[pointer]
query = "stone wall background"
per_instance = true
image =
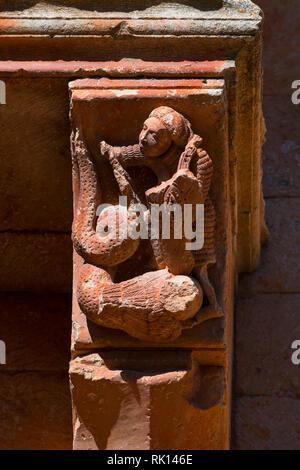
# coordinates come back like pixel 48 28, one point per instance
pixel 35 253
pixel 266 401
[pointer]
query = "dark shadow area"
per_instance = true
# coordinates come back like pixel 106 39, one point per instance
pixel 207 386
pixel 137 364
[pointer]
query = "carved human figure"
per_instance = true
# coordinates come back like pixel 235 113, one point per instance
pixel 158 304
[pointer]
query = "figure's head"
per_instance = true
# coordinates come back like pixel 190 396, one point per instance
pixel 163 127
pixel 154 138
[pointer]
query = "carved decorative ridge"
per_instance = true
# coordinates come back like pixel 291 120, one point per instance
pixel 224 9
pixel 234 17
pixel 130 28
pixel 124 67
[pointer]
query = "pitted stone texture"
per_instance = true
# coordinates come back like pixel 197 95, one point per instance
pixel 153 408
pixel 266 423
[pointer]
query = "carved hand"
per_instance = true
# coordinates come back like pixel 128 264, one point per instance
pixel 105 149
pixel 182 188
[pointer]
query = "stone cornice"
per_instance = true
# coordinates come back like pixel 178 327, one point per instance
pixel 240 17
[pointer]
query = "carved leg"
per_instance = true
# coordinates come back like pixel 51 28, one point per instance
pixel 213 310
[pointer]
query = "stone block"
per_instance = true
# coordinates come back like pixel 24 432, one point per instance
pixel 36 329
pixel 35 182
pixel 35 262
pixel 282 46
pixel 35 411
pixel 266 423
pixel 279 270
pixel 158 402
pixel 266 327
pixel 281 152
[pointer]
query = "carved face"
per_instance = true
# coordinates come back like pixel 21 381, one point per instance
pixel 154 139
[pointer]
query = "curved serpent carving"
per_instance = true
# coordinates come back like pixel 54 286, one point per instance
pixel 104 251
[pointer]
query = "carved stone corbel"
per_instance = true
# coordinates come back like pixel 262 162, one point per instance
pixel 153 312
pixel 168 296
pixel 146 292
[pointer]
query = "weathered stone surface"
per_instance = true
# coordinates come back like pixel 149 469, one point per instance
pixel 266 423
pixel 266 326
pixel 36 330
pixel 35 183
pixel 35 411
pixel 279 271
pixel 158 407
pixel 206 16
pixel 117 68
pixel 35 262
pixel 281 152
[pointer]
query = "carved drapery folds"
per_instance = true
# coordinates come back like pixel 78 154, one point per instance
pixel 173 292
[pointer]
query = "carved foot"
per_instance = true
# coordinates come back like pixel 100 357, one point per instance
pixel 206 313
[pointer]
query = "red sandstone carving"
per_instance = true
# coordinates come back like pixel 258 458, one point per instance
pixel 151 289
